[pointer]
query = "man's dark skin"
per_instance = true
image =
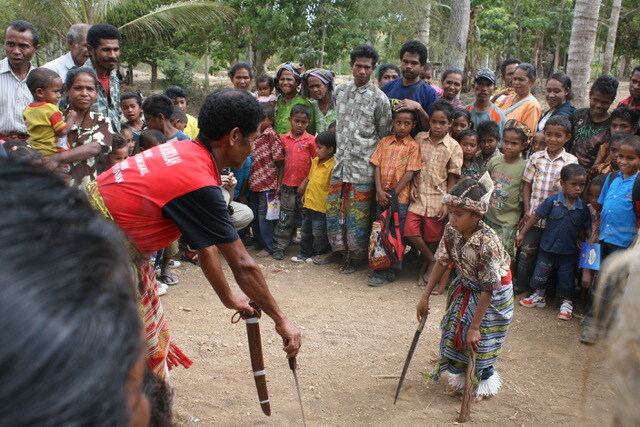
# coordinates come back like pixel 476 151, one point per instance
pixel 411 67
pixel 19 48
pixel 105 57
pixel 231 151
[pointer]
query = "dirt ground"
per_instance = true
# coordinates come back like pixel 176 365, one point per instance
pixel 355 340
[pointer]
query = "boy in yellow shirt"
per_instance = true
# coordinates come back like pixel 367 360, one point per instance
pixel 314 244
pixel 45 125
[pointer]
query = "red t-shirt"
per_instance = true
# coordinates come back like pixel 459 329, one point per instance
pixel 170 190
pixel 104 81
pixel 267 150
pixel 298 154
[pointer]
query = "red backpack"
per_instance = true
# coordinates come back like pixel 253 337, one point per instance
pixel 386 248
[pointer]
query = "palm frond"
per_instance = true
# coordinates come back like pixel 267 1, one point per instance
pixel 170 19
pixel 53 15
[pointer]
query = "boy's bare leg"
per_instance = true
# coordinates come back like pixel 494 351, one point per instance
pixel 427 254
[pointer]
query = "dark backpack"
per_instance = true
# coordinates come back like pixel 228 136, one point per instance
pixel 386 248
pixel 635 192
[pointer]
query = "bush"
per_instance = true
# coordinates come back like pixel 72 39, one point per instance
pixel 178 73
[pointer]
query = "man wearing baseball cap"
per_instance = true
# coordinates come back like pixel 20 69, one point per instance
pixel 483 109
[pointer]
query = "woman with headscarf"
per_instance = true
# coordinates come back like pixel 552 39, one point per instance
pixel 318 85
pixel 287 82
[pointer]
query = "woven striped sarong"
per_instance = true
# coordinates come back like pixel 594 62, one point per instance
pixel 162 354
pixel 462 304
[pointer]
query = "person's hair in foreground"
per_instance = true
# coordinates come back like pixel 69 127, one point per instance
pixel 225 109
pixel 71 332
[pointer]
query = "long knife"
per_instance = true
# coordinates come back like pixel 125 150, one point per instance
pixel 414 343
pixel 255 351
pixel 293 365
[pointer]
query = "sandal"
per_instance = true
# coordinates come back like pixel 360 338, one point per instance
pixel 348 268
pixel 169 279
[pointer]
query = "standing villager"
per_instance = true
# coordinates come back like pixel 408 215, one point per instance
pixel 287 82
pixel 318 86
pixel 363 118
pixel 21 41
pixel 78 52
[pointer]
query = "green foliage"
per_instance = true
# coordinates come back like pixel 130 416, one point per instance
pixel 177 71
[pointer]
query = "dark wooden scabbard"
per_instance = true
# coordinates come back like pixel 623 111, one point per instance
pixel 257 360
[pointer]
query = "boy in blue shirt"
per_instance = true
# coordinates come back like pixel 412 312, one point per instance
pixel 618 224
pixel 568 217
pixel 158 110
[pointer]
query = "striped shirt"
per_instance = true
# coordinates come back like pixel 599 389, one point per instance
pixel 543 173
pixel 14 98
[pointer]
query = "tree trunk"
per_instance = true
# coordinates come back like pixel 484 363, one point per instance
pixel 458 31
pixel 581 48
pixel 611 37
pixel 322 46
pixel 207 64
pixel 259 61
pixel 556 56
pixel 424 24
pixel 154 74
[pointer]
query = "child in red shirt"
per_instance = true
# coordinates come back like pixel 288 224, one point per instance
pixel 300 150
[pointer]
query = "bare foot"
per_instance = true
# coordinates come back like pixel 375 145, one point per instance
pixel 453 392
pixel 478 399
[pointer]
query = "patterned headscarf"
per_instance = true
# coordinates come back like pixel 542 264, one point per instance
pixel 514 124
pixel 325 76
pixel 479 206
pixel 296 68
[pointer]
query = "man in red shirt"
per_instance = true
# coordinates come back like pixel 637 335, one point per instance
pixel 174 189
pixel 633 101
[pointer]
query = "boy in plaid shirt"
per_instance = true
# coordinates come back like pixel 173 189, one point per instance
pixel 397 158
pixel 541 180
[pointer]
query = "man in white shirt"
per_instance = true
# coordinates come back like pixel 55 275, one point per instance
pixel 21 41
pixel 78 53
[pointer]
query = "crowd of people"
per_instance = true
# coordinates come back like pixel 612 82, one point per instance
pixel 494 198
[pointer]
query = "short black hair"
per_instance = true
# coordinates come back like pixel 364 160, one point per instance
pixel 470 188
pixel 178 114
pixel 158 104
pixel 415 47
pixel 489 128
pixel 566 82
pixel 327 139
pixel 300 109
pixel 636 69
pixel 20 151
pixel 76 336
pixel 118 141
pixel 560 121
pixel 445 106
pixel 506 63
pixel 598 181
pixel 225 109
pixel 452 71
pixel 365 50
pixel 632 141
pixel 75 72
pixel 102 32
pixel 572 170
pixel 268 109
pixel 629 115
pixel 263 78
pixel 618 137
pixel 239 66
pixel 149 138
pixel 21 26
pixel 384 67
pixel 174 92
pixel 160 397
pixel 607 85
pixel 133 96
pixel 394 113
pixel 461 112
pixel 40 78
pixel 468 132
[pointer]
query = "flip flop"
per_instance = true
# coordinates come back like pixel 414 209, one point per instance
pixel 169 279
